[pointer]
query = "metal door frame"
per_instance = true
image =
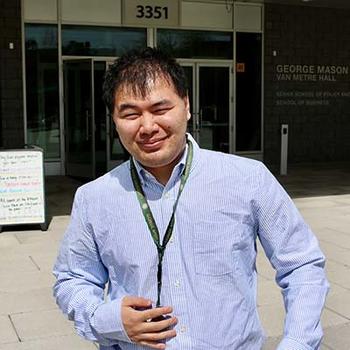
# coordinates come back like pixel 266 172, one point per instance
pixel 194 116
pixel 257 154
pixel 92 124
pixel 196 64
pixel 110 163
pixel 109 125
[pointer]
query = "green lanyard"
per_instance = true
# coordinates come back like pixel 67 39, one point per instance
pixel 152 226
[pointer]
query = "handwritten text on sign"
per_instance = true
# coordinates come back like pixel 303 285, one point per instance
pixel 21 187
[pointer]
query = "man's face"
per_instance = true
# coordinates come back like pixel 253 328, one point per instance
pixel 153 128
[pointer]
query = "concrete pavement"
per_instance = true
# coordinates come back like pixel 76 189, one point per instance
pixel 30 319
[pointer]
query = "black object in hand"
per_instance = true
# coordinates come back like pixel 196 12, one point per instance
pixel 159 318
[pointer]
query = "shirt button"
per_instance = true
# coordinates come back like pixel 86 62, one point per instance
pixel 177 283
pixel 183 329
pixel 167 195
pixel 171 240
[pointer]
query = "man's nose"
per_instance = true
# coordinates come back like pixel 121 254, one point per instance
pixel 148 124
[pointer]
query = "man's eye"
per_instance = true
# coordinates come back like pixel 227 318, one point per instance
pixel 161 111
pixel 130 116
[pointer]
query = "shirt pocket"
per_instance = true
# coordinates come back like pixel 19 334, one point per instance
pixel 216 247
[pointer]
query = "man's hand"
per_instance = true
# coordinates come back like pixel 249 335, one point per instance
pixel 138 326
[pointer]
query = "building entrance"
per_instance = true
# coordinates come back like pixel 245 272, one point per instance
pixel 92 146
pixel 220 47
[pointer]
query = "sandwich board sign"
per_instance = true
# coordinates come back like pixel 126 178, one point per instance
pixel 22 190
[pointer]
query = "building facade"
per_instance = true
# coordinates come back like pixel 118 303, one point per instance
pixel 251 68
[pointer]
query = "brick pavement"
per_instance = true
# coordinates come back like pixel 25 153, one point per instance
pixel 30 319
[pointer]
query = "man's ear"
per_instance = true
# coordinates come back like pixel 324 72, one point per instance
pixel 187 106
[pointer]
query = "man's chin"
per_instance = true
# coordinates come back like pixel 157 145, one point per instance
pixel 152 164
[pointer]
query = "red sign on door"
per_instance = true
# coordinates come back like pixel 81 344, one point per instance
pixel 240 67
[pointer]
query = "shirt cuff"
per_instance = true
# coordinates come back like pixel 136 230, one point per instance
pixel 291 344
pixel 107 321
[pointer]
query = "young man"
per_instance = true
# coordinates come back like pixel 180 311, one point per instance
pixel 173 233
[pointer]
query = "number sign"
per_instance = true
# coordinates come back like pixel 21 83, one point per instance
pixel 151 12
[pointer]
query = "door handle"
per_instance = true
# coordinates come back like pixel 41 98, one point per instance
pixel 214 111
pixel 87 125
pixel 197 122
pixel 200 116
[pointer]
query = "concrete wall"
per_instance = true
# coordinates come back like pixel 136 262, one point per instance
pixel 11 100
pixel 314 43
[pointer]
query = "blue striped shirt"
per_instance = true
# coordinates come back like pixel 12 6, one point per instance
pixel 209 271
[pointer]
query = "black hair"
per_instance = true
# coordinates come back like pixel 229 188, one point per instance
pixel 136 68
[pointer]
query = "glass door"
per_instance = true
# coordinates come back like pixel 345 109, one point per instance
pixel 189 69
pixel 214 107
pixel 210 91
pixel 116 153
pixel 79 117
pixel 248 92
pixel 100 117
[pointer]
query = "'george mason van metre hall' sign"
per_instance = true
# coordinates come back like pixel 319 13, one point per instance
pixel 298 72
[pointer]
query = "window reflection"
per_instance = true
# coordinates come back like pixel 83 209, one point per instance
pixel 101 41
pixel 214 108
pixel 41 55
pixel 248 92
pixel 196 44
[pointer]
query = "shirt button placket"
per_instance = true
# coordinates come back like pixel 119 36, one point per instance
pixel 175 274
pixel 183 329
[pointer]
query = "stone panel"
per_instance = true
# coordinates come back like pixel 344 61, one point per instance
pixel 11 95
pixel 314 102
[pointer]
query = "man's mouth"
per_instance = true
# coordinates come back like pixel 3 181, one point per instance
pixel 151 145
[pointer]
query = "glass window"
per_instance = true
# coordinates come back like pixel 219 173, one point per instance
pixel 196 44
pixel 248 92
pixel 41 58
pixel 214 108
pixel 101 41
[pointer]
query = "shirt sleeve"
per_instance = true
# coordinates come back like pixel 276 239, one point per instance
pixel 81 280
pixel 294 253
